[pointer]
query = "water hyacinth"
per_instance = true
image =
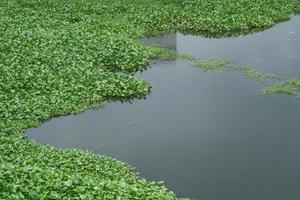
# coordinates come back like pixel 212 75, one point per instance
pixel 60 56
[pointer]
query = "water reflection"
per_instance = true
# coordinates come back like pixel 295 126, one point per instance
pixel 168 41
pixel 207 136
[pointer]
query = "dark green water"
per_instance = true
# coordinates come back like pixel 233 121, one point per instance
pixel 208 136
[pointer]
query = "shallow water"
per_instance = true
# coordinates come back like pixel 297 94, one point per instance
pixel 208 136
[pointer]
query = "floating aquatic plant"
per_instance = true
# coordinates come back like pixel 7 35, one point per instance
pixel 59 57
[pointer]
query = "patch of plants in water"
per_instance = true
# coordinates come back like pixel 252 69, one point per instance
pixel 59 57
pixel 272 83
pixel 289 86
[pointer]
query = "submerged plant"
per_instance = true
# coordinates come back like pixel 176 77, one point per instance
pixel 213 64
pixel 252 74
pixel 217 65
pixel 288 86
pixel 291 87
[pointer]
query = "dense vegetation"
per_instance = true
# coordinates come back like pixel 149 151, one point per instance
pixel 63 56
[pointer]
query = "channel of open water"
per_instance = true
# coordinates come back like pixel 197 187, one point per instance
pixel 208 136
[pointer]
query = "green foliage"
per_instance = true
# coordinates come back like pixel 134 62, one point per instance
pixel 296 7
pixel 291 87
pixel 63 56
pixel 213 64
pixel 252 74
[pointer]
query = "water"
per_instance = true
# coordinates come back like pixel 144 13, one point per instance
pixel 206 135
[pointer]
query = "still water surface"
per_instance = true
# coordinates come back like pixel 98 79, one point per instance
pixel 208 136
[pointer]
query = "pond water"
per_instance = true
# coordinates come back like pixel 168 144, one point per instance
pixel 208 136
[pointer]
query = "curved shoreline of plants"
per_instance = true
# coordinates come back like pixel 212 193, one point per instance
pixel 60 57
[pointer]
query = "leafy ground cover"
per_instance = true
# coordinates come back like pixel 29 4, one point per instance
pixel 63 56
